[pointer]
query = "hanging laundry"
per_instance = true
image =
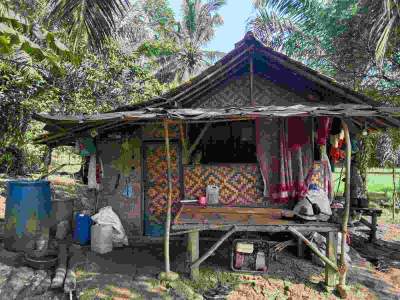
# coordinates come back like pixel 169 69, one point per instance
pixel 324 124
pixel 87 147
pixel 99 171
pixel 297 135
pixel 336 127
pixel 127 191
pixel 92 183
pixel 354 145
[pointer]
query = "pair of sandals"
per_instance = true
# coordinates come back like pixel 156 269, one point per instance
pixel 221 291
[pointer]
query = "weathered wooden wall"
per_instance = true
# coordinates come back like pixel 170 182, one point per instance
pixel 236 92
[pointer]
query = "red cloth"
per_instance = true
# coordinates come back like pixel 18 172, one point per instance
pixel 297 135
pixel 239 260
pixel 324 124
pixel 336 154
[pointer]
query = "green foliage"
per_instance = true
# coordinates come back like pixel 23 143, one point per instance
pixel 157 48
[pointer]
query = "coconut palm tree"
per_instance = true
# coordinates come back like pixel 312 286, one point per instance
pixel 92 21
pixel 386 26
pixel 282 16
pixel 190 35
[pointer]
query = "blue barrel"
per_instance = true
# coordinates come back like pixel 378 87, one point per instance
pixel 83 223
pixel 28 210
pixel 153 228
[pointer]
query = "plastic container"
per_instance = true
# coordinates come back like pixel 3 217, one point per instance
pixel 83 223
pixel 28 211
pixel 101 238
pixel 212 194
pixel 259 254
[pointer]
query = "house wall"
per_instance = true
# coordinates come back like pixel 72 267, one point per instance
pixel 129 209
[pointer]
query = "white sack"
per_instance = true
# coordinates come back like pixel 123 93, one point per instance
pixel 106 216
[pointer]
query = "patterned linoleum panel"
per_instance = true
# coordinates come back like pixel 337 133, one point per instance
pixel 240 184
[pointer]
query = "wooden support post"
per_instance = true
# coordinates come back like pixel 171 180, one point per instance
pixel 193 253
pixel 331 253
pixel 343 266
pixel 197 263
pixel 169 200
pixel 300 248
pixel 374 221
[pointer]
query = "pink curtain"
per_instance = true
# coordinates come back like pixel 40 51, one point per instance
pixel 284 169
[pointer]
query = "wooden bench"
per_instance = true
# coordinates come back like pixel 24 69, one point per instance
pixel 374 213
pixel 192 219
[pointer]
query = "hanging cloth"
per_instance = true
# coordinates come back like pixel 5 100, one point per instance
pixel 92 182
pixel 297 135
pixel 324 124
pixel 336 126
pixel 87 147
pixel 283 171
pixel 99 171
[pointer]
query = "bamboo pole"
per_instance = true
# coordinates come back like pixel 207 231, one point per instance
pixel 169 200
pixel 343 266
pixel 313 248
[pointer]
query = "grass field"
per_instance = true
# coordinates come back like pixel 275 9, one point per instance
pixel 380 186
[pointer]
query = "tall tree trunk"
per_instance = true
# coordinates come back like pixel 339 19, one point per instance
pixel 343 267
pixel 394 192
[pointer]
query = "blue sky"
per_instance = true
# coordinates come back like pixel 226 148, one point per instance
pixel 235 14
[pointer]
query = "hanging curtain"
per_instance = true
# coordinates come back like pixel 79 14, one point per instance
pixel 284 162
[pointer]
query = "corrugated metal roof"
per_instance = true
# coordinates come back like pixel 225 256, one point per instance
pixel 78 124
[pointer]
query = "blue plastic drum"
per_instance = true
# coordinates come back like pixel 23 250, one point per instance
pixel 28 210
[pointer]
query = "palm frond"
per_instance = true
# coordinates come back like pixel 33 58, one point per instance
pixel 95 19
pixel 293 9
pixel 387 20
pixel 212 57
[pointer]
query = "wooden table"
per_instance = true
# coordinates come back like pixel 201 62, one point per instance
pixel 191 219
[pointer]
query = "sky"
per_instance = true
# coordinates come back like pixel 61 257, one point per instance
pixel 235 14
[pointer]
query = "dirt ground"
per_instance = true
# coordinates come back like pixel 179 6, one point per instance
pixel 132 272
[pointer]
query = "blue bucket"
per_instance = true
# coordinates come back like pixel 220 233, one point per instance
pixel 28 211
pixel 152 228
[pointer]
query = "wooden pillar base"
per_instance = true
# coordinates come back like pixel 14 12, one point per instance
pixel 300 248
pixel 374 223
pixel 193 253
pixel 331 253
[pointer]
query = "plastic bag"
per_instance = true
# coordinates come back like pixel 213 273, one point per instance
pixel 106 216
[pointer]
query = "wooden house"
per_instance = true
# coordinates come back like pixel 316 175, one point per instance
pixel 253 98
